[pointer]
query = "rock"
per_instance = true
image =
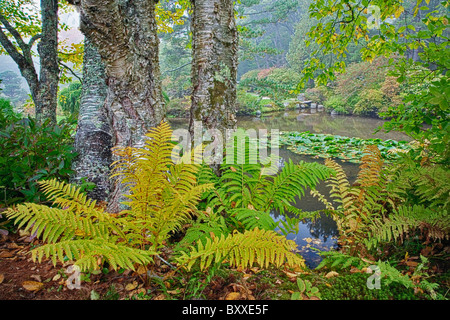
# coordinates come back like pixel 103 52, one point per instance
pixel 320 106
pixel 313 105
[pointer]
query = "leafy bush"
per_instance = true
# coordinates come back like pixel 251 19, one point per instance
pixel 30 152
pixel 369 103
pixel 317 94
pixel 69 99
pixel 338 104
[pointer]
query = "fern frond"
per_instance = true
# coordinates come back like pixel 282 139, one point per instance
pixel 53 224
pixel 86 254
pixel 263 247
pixel 252 219
pixel 67 196
pixel 434 224
pixel 291 183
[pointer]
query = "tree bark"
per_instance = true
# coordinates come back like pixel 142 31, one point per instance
pixel 93 138
pixel 125 34
pixel 49 69
pixel 214 65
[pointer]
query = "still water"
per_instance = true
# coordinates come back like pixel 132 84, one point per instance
pixel 322 232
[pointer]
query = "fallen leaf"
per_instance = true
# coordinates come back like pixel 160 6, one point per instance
pixel 141 270
pixel 131 286
pixel 2 277
pixel 6 254
pixel 411 263
pixel 233 296
pixel 354 270
pixel 331 274
pixel 160 297
pixel 32 285
pixel 36 277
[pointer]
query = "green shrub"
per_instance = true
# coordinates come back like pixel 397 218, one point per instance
pixel 338 104
pixel 69 99
pixel 30 152
pixel 370 102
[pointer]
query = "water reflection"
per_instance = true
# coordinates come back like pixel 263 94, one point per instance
pixel 322 232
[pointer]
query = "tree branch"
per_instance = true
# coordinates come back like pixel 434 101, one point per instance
pixel 34 39
pixel 14 33
pixel 180 67
pixel 71 71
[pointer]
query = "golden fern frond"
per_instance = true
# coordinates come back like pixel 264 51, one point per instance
pixel 340 187
pixel 88 253
pixel 55 224
pixel 263 247
pixel 67 196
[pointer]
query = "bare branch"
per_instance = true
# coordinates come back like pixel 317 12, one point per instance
pixel 71 71
pixel 34 39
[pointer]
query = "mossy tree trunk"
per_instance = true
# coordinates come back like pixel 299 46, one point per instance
pixel 93 141
pixel 43 87
pixel 125 34
pixel 214 64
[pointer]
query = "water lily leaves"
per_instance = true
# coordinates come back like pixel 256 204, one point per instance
pixel 345 148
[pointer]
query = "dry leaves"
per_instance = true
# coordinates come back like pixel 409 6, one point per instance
pixel 32 285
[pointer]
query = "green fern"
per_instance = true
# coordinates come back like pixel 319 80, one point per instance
pixel 263 247
pixel 433 224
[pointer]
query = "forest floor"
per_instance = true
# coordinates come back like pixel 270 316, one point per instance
pixel 23 279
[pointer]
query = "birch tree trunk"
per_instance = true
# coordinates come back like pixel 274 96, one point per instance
pixel 125 34
pixel 214 65
pixel 93 138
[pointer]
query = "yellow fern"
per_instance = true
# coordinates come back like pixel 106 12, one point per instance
pixel 263 247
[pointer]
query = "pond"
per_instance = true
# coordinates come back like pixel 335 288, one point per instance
pixel 321 233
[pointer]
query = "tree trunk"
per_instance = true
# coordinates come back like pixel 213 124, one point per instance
pixel 214 65
pixel 49 69
pixel 43 88
pixel 93 138
pixel 125 34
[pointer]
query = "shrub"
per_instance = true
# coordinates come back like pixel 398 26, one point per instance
pixel 338 104
pixel 69 99
pixel 30 152
pixel 370 102
pixel 317 94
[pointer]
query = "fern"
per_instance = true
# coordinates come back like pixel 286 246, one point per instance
pixel 163 189
pixel 434 224
pixel 163 194
pixel 263 247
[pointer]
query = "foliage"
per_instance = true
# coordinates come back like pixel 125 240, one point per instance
pixel 317 94
pixel 243 249
pixel 345 148
pixel 276 83
pixel 369 102
pixel 246 192
pixel 75 227
pixel 69 99
pixel 338 104
pixel 162 196
pixel 419 59
pixel 305 287
pixel 31 152
pixel 163 190
pixel 372 211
